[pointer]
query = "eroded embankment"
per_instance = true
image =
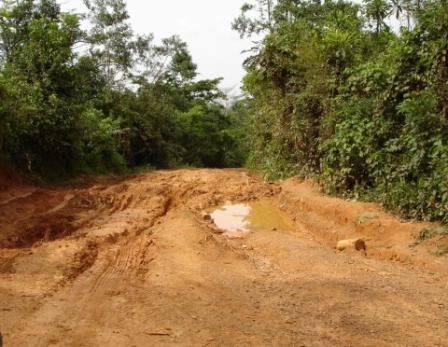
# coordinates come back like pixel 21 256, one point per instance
pixel 134 261
pixel 388 238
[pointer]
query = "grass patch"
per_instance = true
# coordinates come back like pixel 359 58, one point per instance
pixel 441 251
pixel 430 232
pixel 364 217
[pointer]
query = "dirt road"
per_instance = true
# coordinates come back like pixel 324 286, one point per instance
pixel 132 262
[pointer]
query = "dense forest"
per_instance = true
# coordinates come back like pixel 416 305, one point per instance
pixel 102 99
pixel 354 94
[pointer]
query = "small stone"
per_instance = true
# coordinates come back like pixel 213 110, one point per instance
pixel 357 244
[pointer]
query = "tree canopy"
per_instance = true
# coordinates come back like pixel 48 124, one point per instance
pixel 342 92
pixel 103 99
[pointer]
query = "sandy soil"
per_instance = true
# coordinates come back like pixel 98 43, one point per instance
pixel 132 262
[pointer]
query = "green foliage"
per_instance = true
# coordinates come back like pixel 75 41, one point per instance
pixel 335 94
pixel 236 147
pixel 441 251
pixel 119 102
pixel 378 11
pixel 37 78
pixel 99 143
pixel 430 232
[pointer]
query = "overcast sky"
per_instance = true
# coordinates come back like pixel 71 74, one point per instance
pixel 204 24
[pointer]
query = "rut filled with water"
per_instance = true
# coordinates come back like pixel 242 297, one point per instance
pixel 252 216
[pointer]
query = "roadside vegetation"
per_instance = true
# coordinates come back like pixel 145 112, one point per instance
pixel 102 99
pixel 355 94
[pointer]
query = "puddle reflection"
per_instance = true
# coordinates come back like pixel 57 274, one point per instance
pixel 253 216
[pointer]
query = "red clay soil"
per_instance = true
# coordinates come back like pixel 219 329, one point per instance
pixel 132 262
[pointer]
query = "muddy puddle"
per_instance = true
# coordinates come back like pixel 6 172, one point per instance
pixel 253 216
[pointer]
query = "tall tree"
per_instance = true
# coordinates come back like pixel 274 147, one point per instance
pixel 112 42
pixel 37 46
pixel 255 18
pixel 377 11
